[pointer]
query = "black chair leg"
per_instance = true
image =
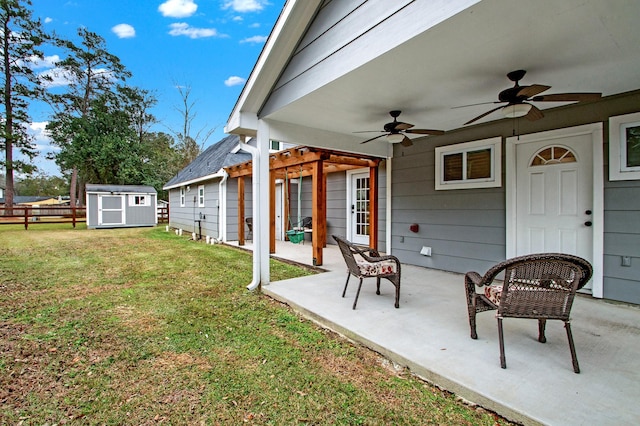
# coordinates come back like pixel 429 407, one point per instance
pixel 378 285
pixel 541 326
pixel 503 360
pixel 397 305
pixel 346 284
pixel 572 348
pixel 472 321
pixel 357 293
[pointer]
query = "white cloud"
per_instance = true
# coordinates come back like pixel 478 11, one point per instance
pixel 256 25
pixel 46 62
pixel 254 39
pixel 58 77
pixel 47 20
pixel 234 80
pixel 178 8
pixel 124 31
pixel 41 136
pixel 243 6
pixel 55 77
pixel 183 29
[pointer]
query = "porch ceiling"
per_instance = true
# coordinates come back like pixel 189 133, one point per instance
pixel 573 46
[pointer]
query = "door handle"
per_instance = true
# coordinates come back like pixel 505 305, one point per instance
pixel 587 212
pixel 588 223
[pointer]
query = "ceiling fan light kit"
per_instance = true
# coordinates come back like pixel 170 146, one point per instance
pixel 395 137
pixel 516 110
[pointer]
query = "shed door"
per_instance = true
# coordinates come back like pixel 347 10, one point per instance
pixel 111 209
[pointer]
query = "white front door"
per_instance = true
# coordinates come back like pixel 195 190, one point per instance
pixel 111 209
pixel 554 195
pixel 358 207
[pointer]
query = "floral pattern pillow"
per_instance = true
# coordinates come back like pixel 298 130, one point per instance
pixel 385 267
pixel 493 292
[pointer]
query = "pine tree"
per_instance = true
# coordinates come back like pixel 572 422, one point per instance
pixel 21 37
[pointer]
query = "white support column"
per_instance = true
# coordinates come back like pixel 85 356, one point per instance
pixel 263 139
pixel 388 235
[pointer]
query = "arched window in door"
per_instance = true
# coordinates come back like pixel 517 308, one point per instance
pixel 553 155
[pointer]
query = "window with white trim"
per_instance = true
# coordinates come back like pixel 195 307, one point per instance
pixel 476 164
pixel 624 147
pixel 139 200
pixel 182 196
pixel 200 195
pixel 275 145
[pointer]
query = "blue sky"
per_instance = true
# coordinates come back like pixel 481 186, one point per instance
pixel 209 45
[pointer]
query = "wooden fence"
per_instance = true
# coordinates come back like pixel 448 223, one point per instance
pixel 163 214
pixel 28 215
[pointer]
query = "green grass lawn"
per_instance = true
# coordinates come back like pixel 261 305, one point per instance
pixel 140 326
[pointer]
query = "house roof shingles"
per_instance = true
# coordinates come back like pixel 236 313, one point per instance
pixel 210 161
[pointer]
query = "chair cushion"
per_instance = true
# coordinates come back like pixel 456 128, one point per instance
pixel 384 267
pixel 493 292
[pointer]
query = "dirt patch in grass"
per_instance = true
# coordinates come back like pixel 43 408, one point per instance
pixel 136 320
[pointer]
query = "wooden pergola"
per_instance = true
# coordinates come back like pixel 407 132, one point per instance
pixel 318 163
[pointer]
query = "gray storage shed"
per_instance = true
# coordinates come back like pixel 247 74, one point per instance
pixel 118 206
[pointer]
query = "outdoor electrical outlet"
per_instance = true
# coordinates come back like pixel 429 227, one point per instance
pixel 626 260
pixel 402 239
pixel 426 251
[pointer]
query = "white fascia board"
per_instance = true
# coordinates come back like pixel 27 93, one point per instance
pixel 283 39
pixel 218 174
pixel 242 123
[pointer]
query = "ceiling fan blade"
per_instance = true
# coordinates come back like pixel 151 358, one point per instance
pixel 402 126
pixel 406 142
pixel 481 103
pixel 373 138
pixel 532 90
pixel 568 97
pixel 371 131
pixel 482 115
pixel 425 131
pixel 534 114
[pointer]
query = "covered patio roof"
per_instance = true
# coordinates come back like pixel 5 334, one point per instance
pixel 305 161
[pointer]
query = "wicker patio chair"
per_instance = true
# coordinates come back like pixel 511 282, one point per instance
pixel 364 262
pixel 537 286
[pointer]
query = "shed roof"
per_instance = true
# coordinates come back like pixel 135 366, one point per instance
pixel 211 161
pixel 128 189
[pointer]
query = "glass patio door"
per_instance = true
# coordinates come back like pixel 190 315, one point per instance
pixel 359 208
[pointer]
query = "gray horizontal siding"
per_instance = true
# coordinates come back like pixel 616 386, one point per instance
pixel 185 217
pixel 141 215
pixel 466 229
pixel 623 290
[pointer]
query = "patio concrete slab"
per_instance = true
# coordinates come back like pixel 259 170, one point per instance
pixel 429 334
